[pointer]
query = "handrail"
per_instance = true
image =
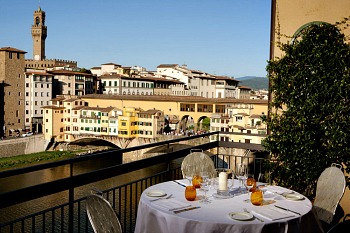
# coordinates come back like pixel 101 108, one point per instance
pixel 71 217
pixel 16 196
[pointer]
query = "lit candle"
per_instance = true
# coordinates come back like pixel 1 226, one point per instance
pixel 222 181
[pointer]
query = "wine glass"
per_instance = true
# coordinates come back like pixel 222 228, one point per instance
pixel 189 171
pixel 204 186
pixel 241 173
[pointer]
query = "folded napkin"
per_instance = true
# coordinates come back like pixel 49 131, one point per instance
pixel 273 213
pixel 170 204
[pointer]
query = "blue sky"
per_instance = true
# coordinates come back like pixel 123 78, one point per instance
pixel 222 37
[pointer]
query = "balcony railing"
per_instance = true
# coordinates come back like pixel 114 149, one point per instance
pixel 72 217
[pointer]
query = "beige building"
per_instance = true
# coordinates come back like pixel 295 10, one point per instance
pixel 113 69
pixel 150 123
pixel 244 92
pixel 12 77
pixel 70 117
pixel 289 17
pixel 68 82
pixel 181 108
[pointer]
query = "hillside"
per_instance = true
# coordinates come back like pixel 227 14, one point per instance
pixel 256 83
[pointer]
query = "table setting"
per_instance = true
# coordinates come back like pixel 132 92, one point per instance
pixel 224 204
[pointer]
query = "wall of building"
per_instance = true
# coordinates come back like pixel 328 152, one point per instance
pixel 292 15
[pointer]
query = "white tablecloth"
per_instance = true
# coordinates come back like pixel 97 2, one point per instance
pixel 214 217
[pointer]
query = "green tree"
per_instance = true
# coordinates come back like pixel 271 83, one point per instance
pixel 310 117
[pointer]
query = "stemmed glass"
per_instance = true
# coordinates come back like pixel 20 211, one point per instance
pixel 204 186
pixel 241 173
pixel 189 171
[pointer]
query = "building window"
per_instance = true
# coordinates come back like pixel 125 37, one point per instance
pixel 187 107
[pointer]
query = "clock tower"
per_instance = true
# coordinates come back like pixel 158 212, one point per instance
pixel 39 33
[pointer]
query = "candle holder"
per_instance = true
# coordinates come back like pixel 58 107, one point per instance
pixel 223 176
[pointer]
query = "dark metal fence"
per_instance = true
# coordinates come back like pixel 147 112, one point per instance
pixel 72 217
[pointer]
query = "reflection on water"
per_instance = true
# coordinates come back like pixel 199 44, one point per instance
pixel 33 206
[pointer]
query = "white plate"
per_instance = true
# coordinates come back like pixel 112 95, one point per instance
pixel 223 196
pixel 293 197
pixel 241 216
pixel 156 193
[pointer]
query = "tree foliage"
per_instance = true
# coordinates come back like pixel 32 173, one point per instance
pixel 310 121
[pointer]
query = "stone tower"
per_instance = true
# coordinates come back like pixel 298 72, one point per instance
pixel 12 94
pixel 39 33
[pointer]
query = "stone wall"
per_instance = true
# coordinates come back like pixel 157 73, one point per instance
pixel 21 146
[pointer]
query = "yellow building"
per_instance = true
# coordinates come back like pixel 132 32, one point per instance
pixel 127 123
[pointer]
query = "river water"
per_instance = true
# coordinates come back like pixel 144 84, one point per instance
pixel 33 206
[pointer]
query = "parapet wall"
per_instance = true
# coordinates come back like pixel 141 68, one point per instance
pixel 21 146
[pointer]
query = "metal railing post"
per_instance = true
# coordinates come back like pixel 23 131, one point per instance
pixel 71 203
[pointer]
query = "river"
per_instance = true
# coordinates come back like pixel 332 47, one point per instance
pixel 33 206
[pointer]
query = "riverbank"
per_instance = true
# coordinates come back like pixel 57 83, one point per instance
pixel 33 159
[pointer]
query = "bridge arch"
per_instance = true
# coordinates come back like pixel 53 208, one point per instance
pixel 203 123
pixel 91 142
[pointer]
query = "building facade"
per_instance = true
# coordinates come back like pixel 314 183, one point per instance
pixel 67 82
pixel 38 93
pixel 12 113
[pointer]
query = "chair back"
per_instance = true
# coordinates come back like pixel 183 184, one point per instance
pixel 199 161
pixel 101 215
pixel 329 191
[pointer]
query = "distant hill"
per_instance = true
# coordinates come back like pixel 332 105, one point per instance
pixel 256 83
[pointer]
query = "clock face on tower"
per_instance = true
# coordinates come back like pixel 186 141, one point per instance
pixel 37 57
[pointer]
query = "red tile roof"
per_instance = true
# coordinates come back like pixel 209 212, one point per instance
pixel 10 49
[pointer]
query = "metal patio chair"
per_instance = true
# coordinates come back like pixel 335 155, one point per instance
pixel 329 191
pixel 199 161
pixel 101 215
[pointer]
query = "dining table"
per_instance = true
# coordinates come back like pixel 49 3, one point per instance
pixel 163 208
